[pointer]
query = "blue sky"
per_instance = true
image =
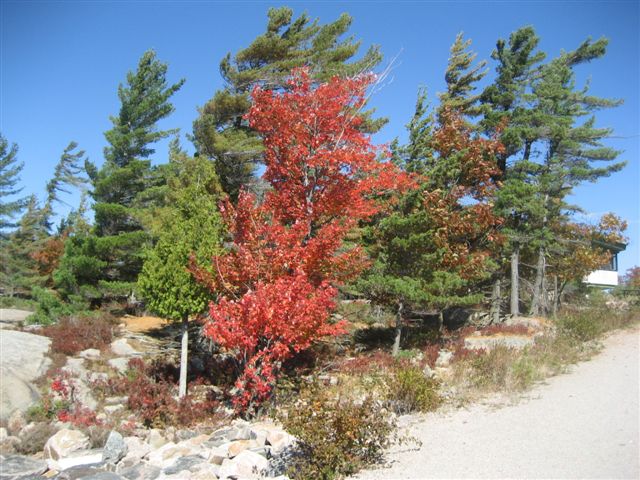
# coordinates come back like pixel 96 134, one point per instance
pixel 61 63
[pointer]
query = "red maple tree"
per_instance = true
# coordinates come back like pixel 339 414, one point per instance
pixel 276 285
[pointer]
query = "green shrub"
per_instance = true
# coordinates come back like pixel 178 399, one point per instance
pixel 17 302
pixel 491 370
pixel 336 437
pixel 524 372
pixel 49 308
pixel 582 325
pixel 411 391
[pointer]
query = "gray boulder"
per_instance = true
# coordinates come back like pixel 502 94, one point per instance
pixel 18 466
pixel 115 449
pixel 141 471
pixel 22 360
pixel 12 317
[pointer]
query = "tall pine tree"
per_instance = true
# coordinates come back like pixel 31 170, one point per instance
pixel 105 264
pixel 573 150
pixel 10 169
pixel 220 131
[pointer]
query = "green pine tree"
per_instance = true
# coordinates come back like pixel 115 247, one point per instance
pixel 431 251
pixel 10 169
pixel 220 132
pixel 191 227
pixel 105 264
pixel 572 148
pixel 504 100
pixel 461 78
pixel 68 172
pixel 19 268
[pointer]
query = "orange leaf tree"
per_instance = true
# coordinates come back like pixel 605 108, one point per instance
pixel 276 285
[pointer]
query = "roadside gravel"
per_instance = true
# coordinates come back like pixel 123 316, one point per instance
pixel 584 424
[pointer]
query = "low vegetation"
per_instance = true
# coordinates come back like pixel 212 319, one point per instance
pixel 506 370
pixel 72 335
pixel 337 436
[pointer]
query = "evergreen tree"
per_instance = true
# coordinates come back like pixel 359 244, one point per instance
pixel 573 148
pixel 67 173
pixel 223 135
pixel 19 267
pixel 106 263
pixel 509 115
pixel 504 101
pixel 191 228
pixel 435 248
pixel 461 78
pixel 10 170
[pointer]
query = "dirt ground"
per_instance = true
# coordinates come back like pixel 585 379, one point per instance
pixel 143 324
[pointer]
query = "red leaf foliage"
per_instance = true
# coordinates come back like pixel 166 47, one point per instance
pixel 276 285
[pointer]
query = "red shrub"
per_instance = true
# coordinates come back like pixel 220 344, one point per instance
pixel 72 335
pixel 152 396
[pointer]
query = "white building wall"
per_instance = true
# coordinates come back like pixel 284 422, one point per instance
pixel 602 277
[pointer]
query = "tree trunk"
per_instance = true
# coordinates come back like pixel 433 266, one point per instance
pixel 184 350
pixel 538 287
pixel 515 281
pixel 396 341
pixel 441 321
pixel 496 296
pixel 556 297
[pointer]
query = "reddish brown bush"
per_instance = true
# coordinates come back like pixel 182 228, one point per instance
pixel 151 392
pixel 366 363
pixel 72 335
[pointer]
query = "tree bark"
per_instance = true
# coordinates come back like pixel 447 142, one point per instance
pixel 515 281
pixel 441 321
pixel 556 296
pixel 398 337
pixel 184 350
pixel 496 296
pixel 537 305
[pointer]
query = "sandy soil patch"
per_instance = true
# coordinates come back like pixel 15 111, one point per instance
pixel 143 324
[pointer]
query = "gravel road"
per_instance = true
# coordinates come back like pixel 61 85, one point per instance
pixel 584 424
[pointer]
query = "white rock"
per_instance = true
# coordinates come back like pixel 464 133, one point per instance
pixel 23 359
pixel 65 442
pixel 246 465
pixel 166 455
pixel 444 358
pixel 207 471
pixel 428 372
pixel 195 442
pixel 279 440
pixel 122 348
pixel 111 409
pixel 137 449
pixel 235 448
pixel 80 457
pixel 120 364
pixel 217 455
pixel 90 354
pixel 3 433
pixel 156 439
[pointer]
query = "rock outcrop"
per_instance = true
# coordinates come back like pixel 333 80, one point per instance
pixel 22 360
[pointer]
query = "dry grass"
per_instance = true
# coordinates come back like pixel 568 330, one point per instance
pixel 510 371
